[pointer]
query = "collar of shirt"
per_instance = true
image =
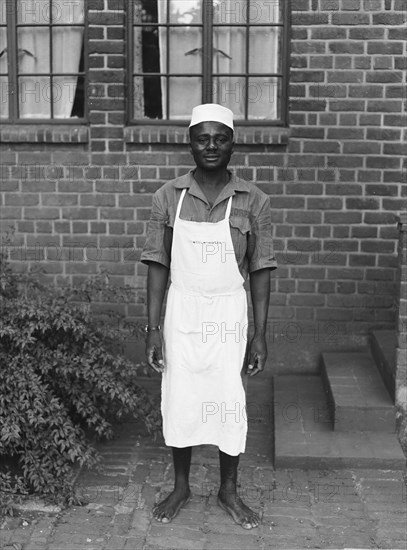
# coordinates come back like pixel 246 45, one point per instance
pixel 233 185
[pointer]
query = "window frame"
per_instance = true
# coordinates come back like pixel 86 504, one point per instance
pixel 12 65
pixel 207 40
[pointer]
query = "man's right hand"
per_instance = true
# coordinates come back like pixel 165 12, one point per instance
pixel 154 352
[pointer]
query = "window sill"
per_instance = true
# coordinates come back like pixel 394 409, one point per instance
pixel 43 133
pixel 244 135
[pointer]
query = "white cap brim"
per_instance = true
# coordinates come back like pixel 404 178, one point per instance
pixel 212 112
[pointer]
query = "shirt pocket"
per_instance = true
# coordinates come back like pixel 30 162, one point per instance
pixel 239 230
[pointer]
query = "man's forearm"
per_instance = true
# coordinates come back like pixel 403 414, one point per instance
pixel 156 286
pixel 260 294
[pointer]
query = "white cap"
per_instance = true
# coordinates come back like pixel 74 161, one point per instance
pixel 212 112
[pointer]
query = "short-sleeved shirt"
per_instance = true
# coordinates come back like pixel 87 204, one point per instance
pixel 250 220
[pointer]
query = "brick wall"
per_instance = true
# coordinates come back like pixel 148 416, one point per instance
pixel 401 319
pixel 80 197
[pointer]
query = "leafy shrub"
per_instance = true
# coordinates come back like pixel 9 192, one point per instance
pixel 62 383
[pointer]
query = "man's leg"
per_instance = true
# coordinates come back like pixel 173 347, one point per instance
pixel 167 509
pixel 227 496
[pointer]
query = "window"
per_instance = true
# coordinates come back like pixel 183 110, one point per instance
pixel 185 52
pixel 42 73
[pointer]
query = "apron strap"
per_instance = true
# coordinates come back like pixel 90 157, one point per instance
pixel 228 208
pixel 180 203
pixel 181 199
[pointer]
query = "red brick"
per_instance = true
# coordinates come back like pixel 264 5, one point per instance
pixel 383 162
pixel 395 204
pixel 345 133
pixel 383 76
pixel 347 105
pixel 350 19
pixel 341 161
pixel 327 203
pixel 364 90
pixel 341 232
pixel 363 232
pixel 377 246
pixel 384 106
pixel 308 105
pixel 395 149
pixel 346 47
pixel 362 148
pixel 338 273
pixel 309 19
pixel 79 213
pixel 369 176
pixel 379 218
pixel 103 17
pixel 386 19
pixel 366 33
pixel 115 33
pixel 25 199
pixel 304 217
pixel 385 48
pixel 343 62
pixel 384 190
pixel 342 217
pixel 362 62
pixel 321 147
pixel 59 199
pixel 306 188
pixel 306 300
pixel 106 76
pixel 396 91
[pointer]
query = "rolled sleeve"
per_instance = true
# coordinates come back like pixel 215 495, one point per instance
pixel 260 250
pixel 156 247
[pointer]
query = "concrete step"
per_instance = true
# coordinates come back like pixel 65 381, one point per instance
pixel 304 437
pixel 357 397
pixel 383 345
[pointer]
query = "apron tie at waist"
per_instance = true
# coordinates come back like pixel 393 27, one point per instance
pixel 207 296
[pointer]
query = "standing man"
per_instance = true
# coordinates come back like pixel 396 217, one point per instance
pixel 208 230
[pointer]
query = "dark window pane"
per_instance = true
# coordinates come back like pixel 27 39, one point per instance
pixel 145 11
pixel 147 97
pixel 78 107
pixel 147 44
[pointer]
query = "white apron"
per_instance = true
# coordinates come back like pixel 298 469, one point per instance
pixel 205 337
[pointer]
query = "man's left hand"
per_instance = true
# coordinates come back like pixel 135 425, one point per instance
pixel 257 355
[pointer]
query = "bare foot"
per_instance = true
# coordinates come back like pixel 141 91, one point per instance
pixel 167 509
pixel 234 506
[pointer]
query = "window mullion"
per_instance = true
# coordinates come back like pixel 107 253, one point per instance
pixel 12 61
pixel 285 62
pixel 167 67
pixel 246 78
pixel 207 51
pixel 51 61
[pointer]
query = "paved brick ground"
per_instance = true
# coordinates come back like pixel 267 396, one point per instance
pixel 299 508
